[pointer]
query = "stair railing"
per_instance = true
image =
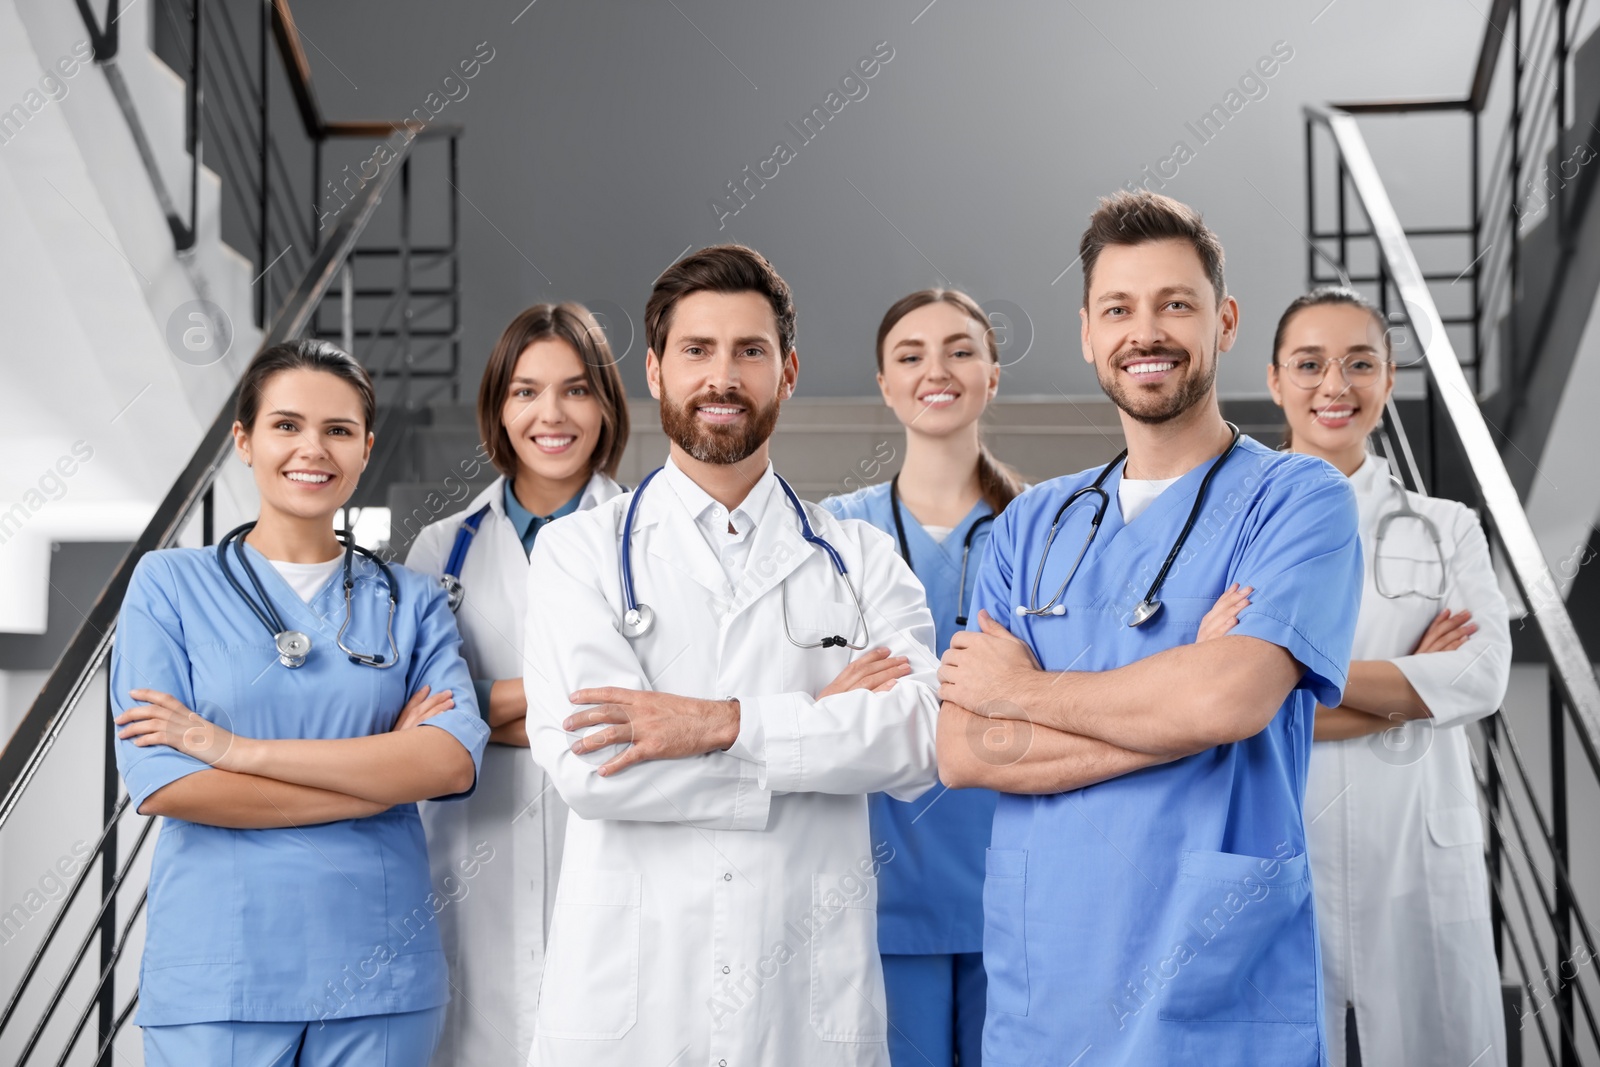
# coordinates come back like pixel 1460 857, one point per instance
pixel 1536 911
pixel 65 967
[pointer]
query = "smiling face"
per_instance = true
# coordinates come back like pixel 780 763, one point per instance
pixel 938 373
pixel 550 412
pixel 309 443
pixel 1153 328
pixel 721 378
pixel 1333 417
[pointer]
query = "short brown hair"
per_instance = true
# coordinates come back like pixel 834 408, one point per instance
pixel 997 481
pixel 1137 217
pixel 574 324
pixel 718 269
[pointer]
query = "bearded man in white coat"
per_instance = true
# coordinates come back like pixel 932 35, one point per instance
pixel 717 901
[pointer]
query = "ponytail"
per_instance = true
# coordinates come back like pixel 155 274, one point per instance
pixel 998 482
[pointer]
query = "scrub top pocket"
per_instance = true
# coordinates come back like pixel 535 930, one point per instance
pixel 1241 931
pixel 1005 936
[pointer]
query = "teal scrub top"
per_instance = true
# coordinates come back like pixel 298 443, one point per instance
pixel 316 922
pixel 1165 916
pixel 930 898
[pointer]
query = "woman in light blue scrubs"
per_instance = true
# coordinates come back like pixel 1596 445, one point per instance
pixel 290 918
pixel 938 368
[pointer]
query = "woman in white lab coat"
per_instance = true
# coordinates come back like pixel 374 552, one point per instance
pixel 553 416
pixel 1394 831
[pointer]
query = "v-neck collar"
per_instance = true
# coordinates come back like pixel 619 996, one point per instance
pixel 922 544
pixel 285 599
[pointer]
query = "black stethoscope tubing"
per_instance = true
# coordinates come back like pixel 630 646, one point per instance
pixel 966 545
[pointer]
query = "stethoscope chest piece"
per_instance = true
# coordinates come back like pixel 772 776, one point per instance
pixel 1143 612
pixel 454 591
pixel 293 647
pixel 637 620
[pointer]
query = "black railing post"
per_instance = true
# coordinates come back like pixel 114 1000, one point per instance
pixel 1496 856
pixel 1477 267
pixel 455 270
pixel 1311 204
pixel 111 786
pixel 1561 919
pixel 1559 117
pixel 406 308
pixel 1344 228
pixel 1514 161
pixel 263 247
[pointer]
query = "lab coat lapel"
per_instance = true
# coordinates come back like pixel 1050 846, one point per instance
pixel 777 550
pixel 671 536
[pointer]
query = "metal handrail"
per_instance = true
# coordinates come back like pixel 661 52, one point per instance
pixel 1531 574
pixel 39 729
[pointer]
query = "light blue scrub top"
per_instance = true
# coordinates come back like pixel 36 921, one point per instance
pixel 1166 916
pixel 930 896
pixel 328 921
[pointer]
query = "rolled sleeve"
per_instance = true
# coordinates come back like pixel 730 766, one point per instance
pixel 149 652
pixel 473 733
pixel 1303 562
pixel 1470 682
pixel 436 662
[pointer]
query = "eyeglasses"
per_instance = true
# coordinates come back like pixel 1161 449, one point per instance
pixel 1308 371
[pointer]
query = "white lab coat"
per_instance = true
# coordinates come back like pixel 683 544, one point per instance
pixel 495 855
pixel 721 909
pixel 1394 831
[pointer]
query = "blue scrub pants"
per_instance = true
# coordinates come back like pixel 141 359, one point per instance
pixel 405 1039
pixel 936 1008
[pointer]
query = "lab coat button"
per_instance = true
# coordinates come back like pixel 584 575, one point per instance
pixel 727 876
pixel 724 968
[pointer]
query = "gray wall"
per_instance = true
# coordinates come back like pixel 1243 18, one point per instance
pixel 599 132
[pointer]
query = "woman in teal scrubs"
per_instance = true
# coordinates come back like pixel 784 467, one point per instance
pixel 290 918
pixel 938 369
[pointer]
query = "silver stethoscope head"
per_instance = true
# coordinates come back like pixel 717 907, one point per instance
pixel 636 621
pixel 293 647
pixel 1144 611
pixel 454 591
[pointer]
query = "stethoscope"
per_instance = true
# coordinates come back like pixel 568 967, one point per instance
pixel 966 545
pixel 1147 608
pixel 1406 511
pixel 454 591
pixel 637 618
pixel 293 645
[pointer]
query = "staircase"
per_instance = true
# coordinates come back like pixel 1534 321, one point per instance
pixel 1528 357
pixel 159 229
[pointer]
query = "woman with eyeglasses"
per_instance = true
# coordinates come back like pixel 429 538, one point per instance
pixel 1394 831
pixel 938 368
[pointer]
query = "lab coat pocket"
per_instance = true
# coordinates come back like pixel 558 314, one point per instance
pixel 847 998
pixel 1242 942
pixel 590 987
pixel 1005 942
pixel 1457 879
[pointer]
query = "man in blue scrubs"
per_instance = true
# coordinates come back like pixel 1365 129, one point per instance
pixel 1147 898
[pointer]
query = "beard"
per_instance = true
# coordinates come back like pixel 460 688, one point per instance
pixel 711 443
pixel 1154 410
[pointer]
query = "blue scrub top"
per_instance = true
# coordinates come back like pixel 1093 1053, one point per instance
pixel 930 895
pixel 317 922
pixel 1166 916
